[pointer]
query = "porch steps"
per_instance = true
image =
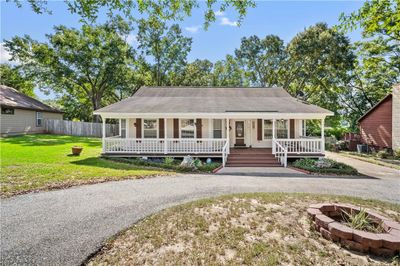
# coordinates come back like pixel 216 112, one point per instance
pixel 252 157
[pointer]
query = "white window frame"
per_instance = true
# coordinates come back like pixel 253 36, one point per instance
pixel 180 127
pixel 222 128
pixel 123 129
pixel 263 129
pixel 157 127
pixel 287 128
pixel 39 118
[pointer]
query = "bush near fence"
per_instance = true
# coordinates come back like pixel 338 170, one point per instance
pixel 84 129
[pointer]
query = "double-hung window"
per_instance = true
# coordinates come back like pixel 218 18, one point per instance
pixel 39 119
pixel 188 128
pixel 123 128
pixel 267 129
pixel 281 129
pixel 217 128
pixel 150 128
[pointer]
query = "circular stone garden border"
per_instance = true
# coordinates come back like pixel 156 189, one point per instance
pixel 381 244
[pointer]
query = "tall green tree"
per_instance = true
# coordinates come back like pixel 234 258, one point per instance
pixel 197 73
pixel 229 73
pixel 262 59
pixel 13 77
pixel 90 62
pixel 378 54
pixel 166 46
pixel 319 59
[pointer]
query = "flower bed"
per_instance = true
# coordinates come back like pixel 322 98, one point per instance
pixel 324 166
pixel 328 219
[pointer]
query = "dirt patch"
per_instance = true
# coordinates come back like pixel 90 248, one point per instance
pixel 256 229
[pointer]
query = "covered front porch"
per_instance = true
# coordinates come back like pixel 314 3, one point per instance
pixel 212 137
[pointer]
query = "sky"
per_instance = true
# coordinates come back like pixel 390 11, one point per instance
pixel 279 17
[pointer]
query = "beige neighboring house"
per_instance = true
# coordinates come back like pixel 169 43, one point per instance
pixel 21 114
pixel 243 126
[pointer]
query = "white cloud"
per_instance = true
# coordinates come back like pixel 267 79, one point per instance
pixel 219 13
pixel 131 39
pixel 5 56
pixel 192 29
pixel 227 22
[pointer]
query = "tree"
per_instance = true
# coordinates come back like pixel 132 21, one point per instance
pixel 160 9
pixel 12 77
pixel 166 46
pixel 262 59
pixel 229 73
pixel 319 59
pixel 197 73
pixel 91 62
pixel 377 67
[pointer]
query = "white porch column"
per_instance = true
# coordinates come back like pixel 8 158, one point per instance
pixel 103 139
pixel 323 135
pixel 227 135
pixel 273 137
pixel 165 137
pixel 127 127
pixel 120 128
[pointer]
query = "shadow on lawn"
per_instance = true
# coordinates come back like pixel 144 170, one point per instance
pixel 99 162
pixel 50 140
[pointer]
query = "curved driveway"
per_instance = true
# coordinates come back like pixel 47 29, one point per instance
pixel 64 227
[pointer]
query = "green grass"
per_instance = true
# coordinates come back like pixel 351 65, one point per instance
pixel 242 229
pixel 370 158
pixel 39 162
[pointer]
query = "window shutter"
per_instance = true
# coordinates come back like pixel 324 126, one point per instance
pixel 259 129
pixel 198 128
pixel 176 128
pixel 138 128
pixel 161 133
pixel 291 132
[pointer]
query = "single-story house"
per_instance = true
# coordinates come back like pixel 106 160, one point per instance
pixel 21 114
pixel 380 125
pixel 244 126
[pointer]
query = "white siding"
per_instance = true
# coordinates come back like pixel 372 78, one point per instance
pixel 24 121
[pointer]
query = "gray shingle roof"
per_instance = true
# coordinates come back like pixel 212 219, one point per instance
pixel 211 100
pixel 10 97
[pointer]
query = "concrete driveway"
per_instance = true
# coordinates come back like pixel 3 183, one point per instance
pixel 64 227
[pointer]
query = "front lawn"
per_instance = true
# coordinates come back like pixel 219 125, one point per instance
pixel 245 229
pixel 41 162
pixel 325 166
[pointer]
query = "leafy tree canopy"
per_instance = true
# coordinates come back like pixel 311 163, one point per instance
pixel 90 62
pixel 167 47
pixel 160 9
pixel 262 59
pixel 13 77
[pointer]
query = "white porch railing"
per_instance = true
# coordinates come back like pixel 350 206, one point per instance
pixel 280 152
pixel 165 146
pixel 281 147
pixel 225 152
pixel 302 146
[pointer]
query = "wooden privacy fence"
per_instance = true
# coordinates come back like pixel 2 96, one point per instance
pixel 85 129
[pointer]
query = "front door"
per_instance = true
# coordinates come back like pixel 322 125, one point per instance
pixel 239 133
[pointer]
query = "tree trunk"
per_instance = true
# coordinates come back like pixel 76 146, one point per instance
pixel 96 105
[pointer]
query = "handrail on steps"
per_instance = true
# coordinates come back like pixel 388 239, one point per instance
pixel 225 153
pixel 280 152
